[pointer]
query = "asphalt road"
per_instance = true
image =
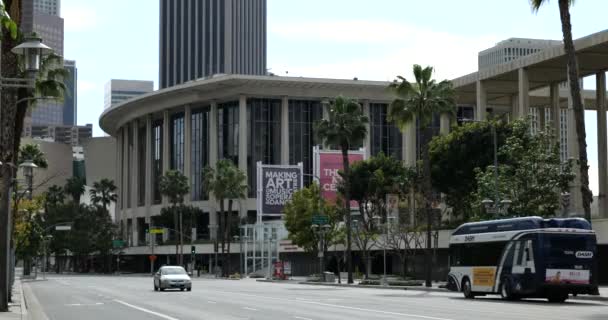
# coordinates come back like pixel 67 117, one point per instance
pixel 133 298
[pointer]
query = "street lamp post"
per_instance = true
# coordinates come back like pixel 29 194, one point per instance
pixel 32 49
pixel 28 172
pixel 321 231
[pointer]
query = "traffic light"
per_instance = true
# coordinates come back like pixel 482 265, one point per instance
pixel 193 249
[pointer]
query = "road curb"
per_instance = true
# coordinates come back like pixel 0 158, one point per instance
pixel 34 308
pixel 23 301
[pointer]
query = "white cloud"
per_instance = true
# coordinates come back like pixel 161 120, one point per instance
pixel 399 46
pixel 79 18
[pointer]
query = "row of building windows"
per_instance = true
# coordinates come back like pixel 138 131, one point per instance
pixel 263 141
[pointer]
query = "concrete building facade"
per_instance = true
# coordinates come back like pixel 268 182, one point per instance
pixel 70 98
pixel 117 91
pixel 70 135
pixel 52 7
pixel 199 38
pixel 238 117
pixel 512 49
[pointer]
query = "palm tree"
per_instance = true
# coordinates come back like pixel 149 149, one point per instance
pixel 174 185
pixel 33 153
pixel 103 193
pixel 345 128
pixel 54 196
pixel 420 101
pixel 226 182
pixel 577 102
pixel 74 187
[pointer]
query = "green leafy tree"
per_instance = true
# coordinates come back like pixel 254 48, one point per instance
pixel 103 193
pixel 577 101
pixel 299 211
pixel 532 175
pixel 225 182
pixel 174 185
pixel 420 101
pixel 33 153
pixel 27 231
pixel 455 156
pixel 75 188
pixel 371 181
pixel 345 127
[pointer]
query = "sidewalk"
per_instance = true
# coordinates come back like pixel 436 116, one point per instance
pixel 17 308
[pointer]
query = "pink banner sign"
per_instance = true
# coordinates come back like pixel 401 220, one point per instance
pixel 329 165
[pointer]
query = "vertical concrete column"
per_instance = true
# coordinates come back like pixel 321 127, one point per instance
pixel 243 134
pixel 541 118
pixel 148 163
pixel 126 170
pixel 367 142
pixel 409 143
pixel 243 125
pixel 444 123
pixel 188 148
pixel 555 111
pixel 514 108
pixel 135 163
pixel 166 146
pixel 285 130
pixel 482 100
pixel 325 104
pixel 119 176
pixel 212 151
pixel 523 89
pixel 602 144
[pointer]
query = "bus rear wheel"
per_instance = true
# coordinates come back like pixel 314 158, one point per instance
pixel 467 290
pixel 557 297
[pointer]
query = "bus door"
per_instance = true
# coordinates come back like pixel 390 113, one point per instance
pixel 524 268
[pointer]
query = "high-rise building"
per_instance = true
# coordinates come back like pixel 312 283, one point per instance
pixel 50 29
pixel 117 91
pixel 511 49
pixel 199 38
pixel 70 98
pixel 52 7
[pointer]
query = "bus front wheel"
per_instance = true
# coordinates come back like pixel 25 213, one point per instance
pixel 506 291
pixel 467 290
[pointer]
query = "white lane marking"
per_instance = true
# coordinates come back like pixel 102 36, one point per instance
pixel 301 318
pixel 83 304
pixel 339 306
pixel 160 315
pixel 209 301
pixel 248 308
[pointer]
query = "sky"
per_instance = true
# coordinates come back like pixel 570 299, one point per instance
pixel 371 40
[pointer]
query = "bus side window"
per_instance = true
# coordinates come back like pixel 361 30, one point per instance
pixel 517 254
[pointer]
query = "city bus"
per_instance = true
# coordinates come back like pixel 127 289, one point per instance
pixel 527 257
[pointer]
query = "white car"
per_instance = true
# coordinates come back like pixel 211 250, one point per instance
pixel 172 277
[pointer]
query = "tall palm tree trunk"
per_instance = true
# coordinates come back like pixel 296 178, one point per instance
pixel 428 211
pixel 579 111
pixel 175 227
pixel 228 227
pixel 349 258
pixel 223 234
pixel 181 237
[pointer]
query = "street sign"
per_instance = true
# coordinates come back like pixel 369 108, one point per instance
pixel 63 228
pixel 156 231
pixel 320 220
pixel 118 243
pixel 152 257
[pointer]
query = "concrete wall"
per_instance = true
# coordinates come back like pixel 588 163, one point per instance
pixel 59 158
pixel 100 159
